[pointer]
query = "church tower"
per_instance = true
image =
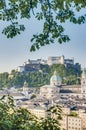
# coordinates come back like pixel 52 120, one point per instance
pixel 83 83
pixel 25 88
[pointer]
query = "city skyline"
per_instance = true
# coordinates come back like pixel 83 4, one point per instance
pixel 14 52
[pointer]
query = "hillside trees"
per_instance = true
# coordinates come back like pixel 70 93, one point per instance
pixel 4 79
pixel 53 13
pixel 69 75
pixel 35 79
pixel 60 68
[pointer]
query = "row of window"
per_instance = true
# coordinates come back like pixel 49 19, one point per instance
pixel 74 128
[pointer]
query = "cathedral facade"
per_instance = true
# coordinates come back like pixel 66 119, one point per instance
pixel 51 90
pixel 56 89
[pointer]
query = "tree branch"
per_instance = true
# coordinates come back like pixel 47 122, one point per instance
pixel 31 7
pixel 5 9
pixel 84 2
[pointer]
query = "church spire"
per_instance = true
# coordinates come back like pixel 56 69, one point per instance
pixel 55 73
pixel 83 83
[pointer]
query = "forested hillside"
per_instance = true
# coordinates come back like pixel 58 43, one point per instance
pixel 69 75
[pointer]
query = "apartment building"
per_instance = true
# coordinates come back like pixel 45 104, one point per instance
pixel 74 123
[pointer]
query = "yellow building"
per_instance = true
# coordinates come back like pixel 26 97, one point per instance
pixel 74 123
pixel 39 112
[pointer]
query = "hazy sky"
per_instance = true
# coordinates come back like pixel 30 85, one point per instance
pixel 14 52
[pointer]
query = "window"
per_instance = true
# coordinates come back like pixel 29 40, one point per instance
pixel 83 82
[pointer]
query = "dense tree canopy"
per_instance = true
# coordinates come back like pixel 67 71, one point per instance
pixel 52 12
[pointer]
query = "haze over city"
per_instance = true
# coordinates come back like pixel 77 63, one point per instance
pixel 14 52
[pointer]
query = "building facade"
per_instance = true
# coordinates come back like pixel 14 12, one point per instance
pixel 55 60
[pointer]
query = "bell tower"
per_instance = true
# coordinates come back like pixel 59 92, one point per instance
pixel 25 88
pixel 83 83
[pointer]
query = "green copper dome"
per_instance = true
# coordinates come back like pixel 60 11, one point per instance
pixel 55 79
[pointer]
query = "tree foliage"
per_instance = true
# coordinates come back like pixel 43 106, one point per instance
pixel 53 119
pixel 12 118
pixel 52 12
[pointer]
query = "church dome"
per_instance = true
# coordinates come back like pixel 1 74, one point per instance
pixel 55 79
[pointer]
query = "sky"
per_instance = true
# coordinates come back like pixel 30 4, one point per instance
pixel 14 52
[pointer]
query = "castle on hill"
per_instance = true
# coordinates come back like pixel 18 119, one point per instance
pixel 37 65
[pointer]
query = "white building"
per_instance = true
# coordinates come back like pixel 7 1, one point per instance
pixel 60 60
pixel 38 61
pixel 20 69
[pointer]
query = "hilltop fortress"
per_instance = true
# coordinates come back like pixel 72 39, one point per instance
pixel 36 65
